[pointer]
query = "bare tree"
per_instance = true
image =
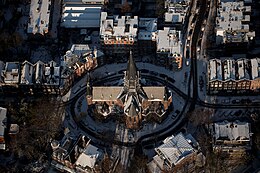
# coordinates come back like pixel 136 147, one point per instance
pixel 39 122
pixel 126 8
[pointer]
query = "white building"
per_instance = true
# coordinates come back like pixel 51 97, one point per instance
pixel 175 152
pixel 27 73
pixel 169 47
pixel 118 35
pixel 11 73
pixel 88 158
pixel 176 11
pixel 118 29
pixel 231 135
pixel 39 17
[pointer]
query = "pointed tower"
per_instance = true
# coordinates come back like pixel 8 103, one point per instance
pixel 132 95
pixel 132 77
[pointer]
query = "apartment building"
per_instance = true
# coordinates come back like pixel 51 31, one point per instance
pixel 169 48
pixel 233 18
pixel 118 35
pixel 233 76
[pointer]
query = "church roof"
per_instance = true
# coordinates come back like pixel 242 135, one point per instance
pixel 105 93
pixel 155 92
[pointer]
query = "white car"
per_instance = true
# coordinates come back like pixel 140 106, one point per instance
pixel 187 62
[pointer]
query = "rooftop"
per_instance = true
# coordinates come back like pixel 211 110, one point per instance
pixel 232 21
pixel 242 65
pixel 232 130
pixel 124 26
pixel 88 157
pixel 175 148
pixel 229 69
pixel 147 28
pixel 255 63
pixel 11 73
pixel 27 73
pixel 39 16
pixel 215 69
pixel 52 74
pixel 80 16
pixel 169 40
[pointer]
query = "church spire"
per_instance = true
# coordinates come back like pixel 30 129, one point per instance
pixel 131 72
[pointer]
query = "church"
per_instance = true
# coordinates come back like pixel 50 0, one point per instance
pixel 132 101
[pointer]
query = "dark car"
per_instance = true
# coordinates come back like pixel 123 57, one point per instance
pixel 163 76
pixel 171 80
pixel 144 71
pixel 153 73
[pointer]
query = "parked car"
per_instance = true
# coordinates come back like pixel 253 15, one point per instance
pixel 235 101
pixel 153 73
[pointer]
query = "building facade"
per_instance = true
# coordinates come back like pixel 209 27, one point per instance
pixel 132 102
pixel 233 76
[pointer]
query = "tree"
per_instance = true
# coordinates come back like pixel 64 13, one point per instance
pixel 106 164
pixel 200 116
pixel 39 122
pixel 138 164
pixel 160 10
pixel 126 8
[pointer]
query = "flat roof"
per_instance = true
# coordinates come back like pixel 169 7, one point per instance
pixel 80 16
pixel 124 26
pixel 11 73
pixel 147 28
pixel 168 40
pixel 39 16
